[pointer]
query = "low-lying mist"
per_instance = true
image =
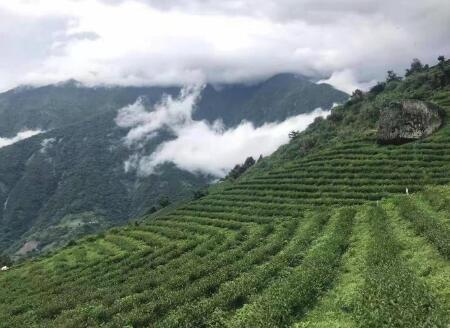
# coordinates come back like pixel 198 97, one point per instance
pixel 18 137
pixel 199 146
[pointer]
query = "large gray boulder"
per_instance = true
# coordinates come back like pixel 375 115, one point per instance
pixel 408 120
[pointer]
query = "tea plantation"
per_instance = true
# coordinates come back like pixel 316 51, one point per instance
pixel 318 237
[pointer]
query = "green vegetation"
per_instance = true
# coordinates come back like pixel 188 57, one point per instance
pixel 326 239
pixel 344 268
pixel 5 260
pixel 76 168
pixel 392 296
pixel 238 170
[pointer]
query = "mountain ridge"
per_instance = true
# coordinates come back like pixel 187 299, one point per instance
pixel 41 104
pixel 82 169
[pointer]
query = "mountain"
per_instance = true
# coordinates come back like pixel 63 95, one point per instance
pixel 54 106
pixel 320 234
pixel 289 94
pixel 70 180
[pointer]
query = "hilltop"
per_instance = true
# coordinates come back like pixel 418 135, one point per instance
pixel 320 234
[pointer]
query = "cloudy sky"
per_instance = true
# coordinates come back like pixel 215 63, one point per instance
pixel 347 42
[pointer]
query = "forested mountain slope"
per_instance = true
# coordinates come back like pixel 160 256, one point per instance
pixel 70 180
pixel 53 106
pixel 321 234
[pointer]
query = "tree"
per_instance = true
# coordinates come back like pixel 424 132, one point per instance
pixel 249 162
pixel 152 210
pixel 5 260
pixel 357 94
pixel 392 77
pixel 378 88
pixel 164 201
pixel 441 60
pixel 416 67
pixel 238 170
pixel 200 193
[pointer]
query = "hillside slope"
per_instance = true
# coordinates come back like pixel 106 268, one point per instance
pixel 304 239
pixel 70 181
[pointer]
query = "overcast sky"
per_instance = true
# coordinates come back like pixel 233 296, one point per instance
pixel 185 41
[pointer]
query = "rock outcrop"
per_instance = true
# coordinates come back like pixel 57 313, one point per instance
pixel 407 121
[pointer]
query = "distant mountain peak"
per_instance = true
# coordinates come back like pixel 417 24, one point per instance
pixel 70 83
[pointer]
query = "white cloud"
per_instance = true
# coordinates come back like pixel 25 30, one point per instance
pixel 199 146
pixel 46 144
pixel 170 113
pixel 20 136
pixel 346 81
pixel 196 41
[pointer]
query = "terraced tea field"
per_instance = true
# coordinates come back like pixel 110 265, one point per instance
pixel 350 173
pixel 363 266
pixel 306 245
pixel 326 240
